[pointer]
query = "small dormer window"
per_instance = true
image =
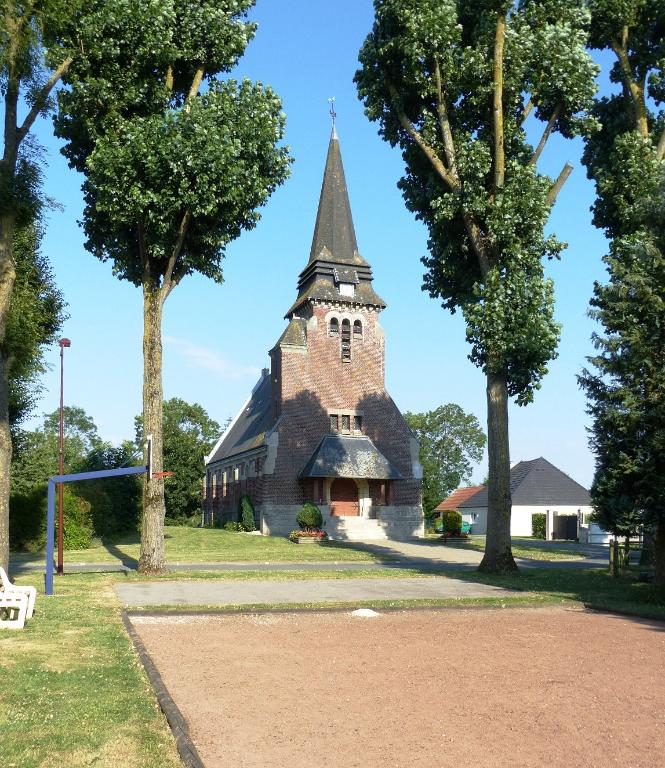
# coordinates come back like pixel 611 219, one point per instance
pixel 333 327
pixel 347 289
pixel 357 329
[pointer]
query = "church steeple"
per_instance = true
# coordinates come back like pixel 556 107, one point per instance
pixel 335 272
pixel 334 235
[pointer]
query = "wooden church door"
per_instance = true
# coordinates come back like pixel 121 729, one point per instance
pixel 344 498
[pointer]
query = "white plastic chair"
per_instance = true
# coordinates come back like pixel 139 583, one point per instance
pixel 15 604
pixel 6 588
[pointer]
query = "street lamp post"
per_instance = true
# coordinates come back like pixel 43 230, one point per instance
pixel 61 454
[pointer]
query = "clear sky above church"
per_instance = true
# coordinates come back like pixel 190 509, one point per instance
pixel 216 338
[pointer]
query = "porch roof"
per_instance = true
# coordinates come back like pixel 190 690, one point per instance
pixel 349 456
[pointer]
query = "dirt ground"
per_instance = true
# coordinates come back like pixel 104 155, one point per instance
pixel 417 689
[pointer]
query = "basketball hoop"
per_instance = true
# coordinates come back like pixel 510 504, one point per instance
pixel 160 475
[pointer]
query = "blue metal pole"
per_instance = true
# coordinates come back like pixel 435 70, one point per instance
pixel 50 510
pixel 50 533
pixel 98 474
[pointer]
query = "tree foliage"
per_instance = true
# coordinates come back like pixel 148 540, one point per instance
pixel 37 455
pixel 172 175
pixel 32 62
pixel 189 435
pixel 177 158
pixel 626 384
pixel 451 442
pixel 114 504
pixel 35 319
pixel 451 82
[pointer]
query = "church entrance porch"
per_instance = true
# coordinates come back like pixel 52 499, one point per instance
pixel 344 499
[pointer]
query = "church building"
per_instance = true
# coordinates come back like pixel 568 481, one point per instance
pixel 319 425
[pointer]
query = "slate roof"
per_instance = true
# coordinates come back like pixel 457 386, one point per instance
pixel 334 232
pixel 457 497
pixel 536 483
pixel 346 456
pixel 334 257
pixel 324 289
pixel 295 334
pixel 248 430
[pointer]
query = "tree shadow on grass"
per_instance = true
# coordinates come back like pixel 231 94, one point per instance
pixel 593 588
pixel 113 548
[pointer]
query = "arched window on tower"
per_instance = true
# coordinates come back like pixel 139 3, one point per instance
pixel 333 327
pixel 346 341
pixel 357 329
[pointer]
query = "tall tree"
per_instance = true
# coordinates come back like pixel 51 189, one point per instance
pixel 37 456
pixel 174 171
pixel 451 82
pixel 31 65
pixel 626 159
pixel 35 318
pixel 189 434
pixel 451 442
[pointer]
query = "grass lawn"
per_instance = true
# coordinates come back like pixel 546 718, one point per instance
pixel 533 549
pixel 73 694
pixel 209 545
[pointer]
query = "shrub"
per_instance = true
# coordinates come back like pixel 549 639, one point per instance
pixel 310 517
pixel 538 525
pixel 246 514
pixel 27 520
pixel 194 521
pixel 78 531
pixel 452 521
pixel 234 527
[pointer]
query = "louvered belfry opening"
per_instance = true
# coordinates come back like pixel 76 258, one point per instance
pixel 346 341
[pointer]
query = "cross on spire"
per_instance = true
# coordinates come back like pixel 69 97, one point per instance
pixel 333 114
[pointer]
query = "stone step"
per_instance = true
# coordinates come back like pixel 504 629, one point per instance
pixel 354 528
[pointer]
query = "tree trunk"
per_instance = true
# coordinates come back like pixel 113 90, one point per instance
pixel 7 278
pixel 151 559
pixel 659 553
pixel 498 557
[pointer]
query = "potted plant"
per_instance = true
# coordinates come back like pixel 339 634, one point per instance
pixel 310 521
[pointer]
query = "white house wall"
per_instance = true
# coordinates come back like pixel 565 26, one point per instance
pixel 520 519
pixel 477 518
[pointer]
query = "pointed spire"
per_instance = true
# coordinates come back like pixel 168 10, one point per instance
pixel 334 236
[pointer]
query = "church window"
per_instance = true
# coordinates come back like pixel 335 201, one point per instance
pixel 346 423
pixel 334 423
pixel 347 289
pixel 346 341
pixel 357 329
pixel 333 328
pixel 358 423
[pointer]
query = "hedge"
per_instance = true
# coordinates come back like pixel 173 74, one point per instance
pixel 538 525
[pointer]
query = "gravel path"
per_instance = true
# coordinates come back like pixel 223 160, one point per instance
pixel 515 688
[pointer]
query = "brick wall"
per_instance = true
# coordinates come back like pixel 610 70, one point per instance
pixel 312 381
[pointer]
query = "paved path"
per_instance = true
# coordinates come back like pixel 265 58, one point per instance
pixel 220 593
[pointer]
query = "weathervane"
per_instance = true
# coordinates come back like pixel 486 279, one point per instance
pixel 333 114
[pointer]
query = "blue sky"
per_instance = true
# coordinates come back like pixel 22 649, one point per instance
pixel 216 337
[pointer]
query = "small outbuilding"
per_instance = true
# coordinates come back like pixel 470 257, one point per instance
pixel 536 487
